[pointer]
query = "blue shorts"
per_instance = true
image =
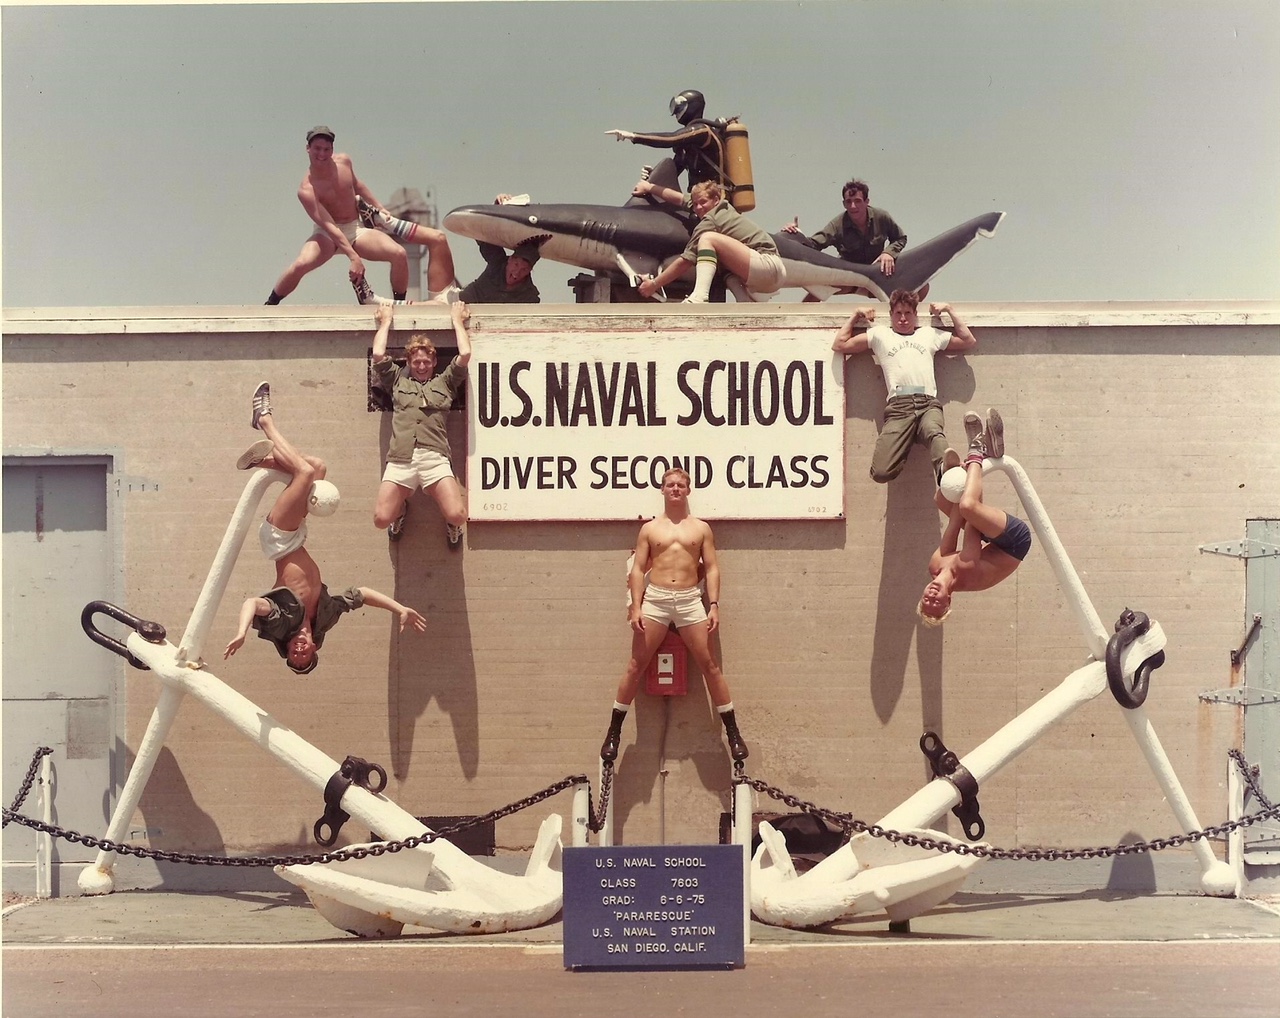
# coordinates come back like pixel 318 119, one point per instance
pixel 1016 539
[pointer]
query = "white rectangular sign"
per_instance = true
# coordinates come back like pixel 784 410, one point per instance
pixel 581 426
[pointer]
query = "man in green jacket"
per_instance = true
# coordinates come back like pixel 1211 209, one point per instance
pixel 506 278
pixel 861 234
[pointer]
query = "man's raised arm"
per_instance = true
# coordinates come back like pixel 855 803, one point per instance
pixel 383 315
pixel 852 336
pixel 961 337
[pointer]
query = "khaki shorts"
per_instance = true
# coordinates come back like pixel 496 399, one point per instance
pixel 766 273
pixel 277 543
pixel 673 607
pixel 425 468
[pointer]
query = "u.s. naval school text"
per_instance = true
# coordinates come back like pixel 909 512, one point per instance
pixel 584 426
pixel 633 884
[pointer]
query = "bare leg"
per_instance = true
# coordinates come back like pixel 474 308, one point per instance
pixel 379 247
pixel 643 646
pixel 315 252
pixel 697 638
pixel 986 519
pixel 291 505
pixel 440 271
pixel 733 255
pixel 450 498
pixel 390 504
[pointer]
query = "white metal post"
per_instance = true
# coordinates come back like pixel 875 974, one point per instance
pixel 580 835
pixel 44 840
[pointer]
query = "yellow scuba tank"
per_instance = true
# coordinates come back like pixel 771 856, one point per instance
pixel 737 167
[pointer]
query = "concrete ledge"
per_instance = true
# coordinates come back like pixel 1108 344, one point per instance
pixel 196 321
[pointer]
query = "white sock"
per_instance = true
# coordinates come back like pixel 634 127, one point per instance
pixel 624 707
pixel 725 709
pixel 706 272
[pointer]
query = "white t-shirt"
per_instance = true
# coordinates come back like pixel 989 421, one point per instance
pixel 907 361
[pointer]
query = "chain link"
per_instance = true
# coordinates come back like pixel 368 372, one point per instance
pixel 850 824
pixel 27 782
pixel 1250 775
pixel 341 855
pixel 595 821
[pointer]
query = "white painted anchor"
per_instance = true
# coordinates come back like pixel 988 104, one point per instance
pixel 869 874
pixel 434 885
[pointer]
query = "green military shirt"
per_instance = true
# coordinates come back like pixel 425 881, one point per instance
pixel 723 218
pixel 286 617
pixel 860 248
pixel 490 287
pixel 419 419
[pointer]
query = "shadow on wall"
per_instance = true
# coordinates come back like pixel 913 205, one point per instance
pixel 671 729
pixel 911 530
pixel 175 821
pixel 438 665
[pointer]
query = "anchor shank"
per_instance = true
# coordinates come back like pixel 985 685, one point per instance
pixel 304 759
pixel 215 584
pixel 1091 628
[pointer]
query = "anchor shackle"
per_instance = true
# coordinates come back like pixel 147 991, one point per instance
pixel 152 632
pixel 1129 627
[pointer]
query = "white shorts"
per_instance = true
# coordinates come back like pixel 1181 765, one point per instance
pixel 277 543
pixel 679 607
pixel 349 230
pixel 425 468
pixel 766 273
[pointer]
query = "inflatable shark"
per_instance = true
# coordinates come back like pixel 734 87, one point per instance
pixel 638 238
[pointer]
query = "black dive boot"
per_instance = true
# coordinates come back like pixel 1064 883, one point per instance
pixel 737 748
pixel 609 750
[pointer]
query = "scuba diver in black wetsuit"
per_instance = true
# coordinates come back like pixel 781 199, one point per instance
pixel 705 149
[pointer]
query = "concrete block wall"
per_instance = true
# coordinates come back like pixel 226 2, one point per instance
pixel 1146 431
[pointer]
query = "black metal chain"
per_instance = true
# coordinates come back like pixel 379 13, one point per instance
pixel 27 782
pixel 851 824
pixel 1250 773
pixel 595 821
pixel 363 852
pixel 846 821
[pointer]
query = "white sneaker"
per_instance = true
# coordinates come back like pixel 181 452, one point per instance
pixel 255 454
pixel 449 295
pixel 995 433
pixel 973 432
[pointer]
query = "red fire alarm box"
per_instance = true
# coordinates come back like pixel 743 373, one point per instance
pixel 668 671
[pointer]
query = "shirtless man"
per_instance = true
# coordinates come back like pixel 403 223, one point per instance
pixel 995 542
pixel 297 613
pixel 339 203
pixel 670 549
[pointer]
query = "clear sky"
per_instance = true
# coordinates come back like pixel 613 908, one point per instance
pixel 151 154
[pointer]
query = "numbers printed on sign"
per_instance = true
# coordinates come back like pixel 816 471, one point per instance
pixel 495 507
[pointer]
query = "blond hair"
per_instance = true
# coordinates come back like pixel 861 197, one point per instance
pixel 419 341
pixel 931 620
pixel 710 188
